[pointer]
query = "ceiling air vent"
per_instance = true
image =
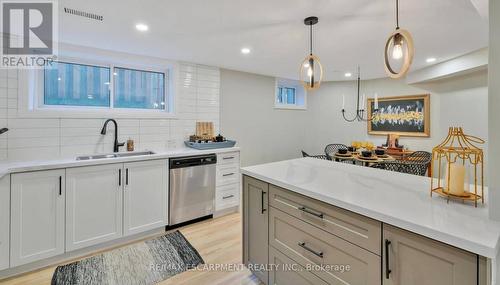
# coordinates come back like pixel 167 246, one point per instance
pixel 83 14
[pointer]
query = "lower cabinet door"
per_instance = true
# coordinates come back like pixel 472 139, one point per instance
pixel 287 272
pixel 413 259
pixel 37 216
pixel 255 226
pixel 93 205
pixel 4 221
pixel 145 199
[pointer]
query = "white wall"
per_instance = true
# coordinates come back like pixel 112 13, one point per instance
pixel 264 134
pixel 35 138
pixel 494 108
pixel 460 101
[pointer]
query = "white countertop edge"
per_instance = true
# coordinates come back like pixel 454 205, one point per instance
pixel 37 165
pixel 480 249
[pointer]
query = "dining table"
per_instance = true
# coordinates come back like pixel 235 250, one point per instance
pixel 357 158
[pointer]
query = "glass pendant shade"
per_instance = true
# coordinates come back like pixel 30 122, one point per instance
pixel 311 72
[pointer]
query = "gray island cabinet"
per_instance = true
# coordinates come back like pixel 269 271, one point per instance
pixel 289 238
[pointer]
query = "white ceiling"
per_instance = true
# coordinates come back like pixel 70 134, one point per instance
pixel 212 32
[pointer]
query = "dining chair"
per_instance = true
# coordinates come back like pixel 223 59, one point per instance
pixel 319 156
pixel 333 148
pixel 416 163
pixel 419 162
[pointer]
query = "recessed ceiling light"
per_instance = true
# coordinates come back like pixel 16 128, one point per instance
pixel 430 59
pixel 348 74
pixel 142 27
pixel 245 50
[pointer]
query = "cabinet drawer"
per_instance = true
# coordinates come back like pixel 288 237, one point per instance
pixel 228 157
pixel 227 196
pixel 228 174
pixel 308 245
pixel 357 229
pixel 288 272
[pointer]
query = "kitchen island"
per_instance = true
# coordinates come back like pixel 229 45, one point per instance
pixel 384 225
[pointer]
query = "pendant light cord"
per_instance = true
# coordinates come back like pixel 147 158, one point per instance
pixel 397 14
pixel 311 38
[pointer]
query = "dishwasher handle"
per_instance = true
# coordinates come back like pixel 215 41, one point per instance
pixel 190 161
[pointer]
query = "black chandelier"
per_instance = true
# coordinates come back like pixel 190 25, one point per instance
pixel 360 105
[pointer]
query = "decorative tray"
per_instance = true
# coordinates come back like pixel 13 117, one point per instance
pixel 210 144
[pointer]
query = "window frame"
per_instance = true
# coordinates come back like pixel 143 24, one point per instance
pixel 292 84
pixel 31 90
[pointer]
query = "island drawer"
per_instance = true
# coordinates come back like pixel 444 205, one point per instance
pixel 288 272
pixel 331 258
pixel 357 229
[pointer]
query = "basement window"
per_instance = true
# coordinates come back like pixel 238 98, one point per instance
pixel 69 84
pixel 290 94
pixel 83 88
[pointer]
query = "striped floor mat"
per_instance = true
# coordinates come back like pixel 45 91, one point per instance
pixel 148 262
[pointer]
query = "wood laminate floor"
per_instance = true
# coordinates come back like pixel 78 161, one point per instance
pixel 217 240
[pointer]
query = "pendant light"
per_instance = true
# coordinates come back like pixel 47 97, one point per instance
pixel 399 47
pixel 311 70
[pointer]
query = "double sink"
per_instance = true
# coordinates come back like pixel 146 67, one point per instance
pixel 114 155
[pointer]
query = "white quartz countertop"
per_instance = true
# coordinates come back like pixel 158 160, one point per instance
pixel 7 167
pixel 398 199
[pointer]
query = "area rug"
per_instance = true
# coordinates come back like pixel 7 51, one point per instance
pixel 147 262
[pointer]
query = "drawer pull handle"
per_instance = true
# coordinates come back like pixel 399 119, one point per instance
pixel 228 196
pixel 317 253
pixel 387 269
pixel 228 174
pixel 310 212
pixel 228 157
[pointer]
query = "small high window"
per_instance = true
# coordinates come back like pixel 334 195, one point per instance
pixel 290 94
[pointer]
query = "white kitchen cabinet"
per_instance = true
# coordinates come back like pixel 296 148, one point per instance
pixel 94 205
pixel 227 192
pixel 145 200
pixel 4 221
pixel 37 216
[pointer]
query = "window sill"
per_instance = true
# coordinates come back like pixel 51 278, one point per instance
pixel 290 107
pixel 96 113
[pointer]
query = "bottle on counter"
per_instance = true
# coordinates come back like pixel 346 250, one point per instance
pixel 130 144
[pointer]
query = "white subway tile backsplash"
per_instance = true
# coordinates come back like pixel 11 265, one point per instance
pixel 23 123
pixel 38 153
pixel 33 142
pixel 12 73
pixel 42 138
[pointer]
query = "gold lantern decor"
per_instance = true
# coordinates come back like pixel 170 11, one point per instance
pixel 462 164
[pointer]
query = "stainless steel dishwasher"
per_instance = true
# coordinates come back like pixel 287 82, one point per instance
pixel 192 188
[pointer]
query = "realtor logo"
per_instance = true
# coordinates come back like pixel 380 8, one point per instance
pixel 29 30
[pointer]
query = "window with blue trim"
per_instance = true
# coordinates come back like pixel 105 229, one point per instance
pixel 92 86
